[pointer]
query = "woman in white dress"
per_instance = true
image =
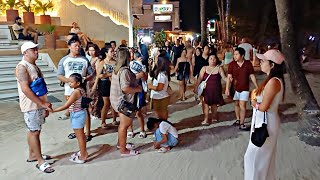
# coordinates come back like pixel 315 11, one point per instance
pixel 259 162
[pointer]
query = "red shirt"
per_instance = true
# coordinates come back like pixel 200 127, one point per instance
pixel 241 75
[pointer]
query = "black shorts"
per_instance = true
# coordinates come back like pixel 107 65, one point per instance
pixel 23 37
pixel 104 88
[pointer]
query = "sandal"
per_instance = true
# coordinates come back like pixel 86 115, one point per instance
pixel 205 123
pixel 115 123
pixel 104 126
pixel 63 117
pixel 44 157
pixel 131 153
pixel 45 167
pixel 89 138
pixel 142 135
pixel 215 120
pixel 237 123
pixel 72 135
pixel 130 134
pixel 75 154
pixel 163 150
pixel 77 160
pixel 129 146
pixel 244 127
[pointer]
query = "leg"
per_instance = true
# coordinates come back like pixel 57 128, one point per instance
pixel 34 35
pixel 206 113
pixel 162 114
pixel 237 110
pixel 184 88
pixel 214 109
pixel 82 143
pixel 242 105
pixel 104 111
pixel 141 120
pixel 125 122
pixel 35 146
pixel 181 85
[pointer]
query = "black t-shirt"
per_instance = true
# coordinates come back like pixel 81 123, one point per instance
pixel 177 52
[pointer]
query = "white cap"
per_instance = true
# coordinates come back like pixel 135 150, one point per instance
pixel 28 45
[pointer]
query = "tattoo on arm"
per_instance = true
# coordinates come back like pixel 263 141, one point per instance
pixel 22 74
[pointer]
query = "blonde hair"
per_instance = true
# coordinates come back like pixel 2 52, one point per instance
pixel 123 57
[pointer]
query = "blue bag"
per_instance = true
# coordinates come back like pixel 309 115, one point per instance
pixel 39 87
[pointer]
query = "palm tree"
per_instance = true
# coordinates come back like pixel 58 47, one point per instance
pixel 310 124
pixel 227 21
pixel 203 21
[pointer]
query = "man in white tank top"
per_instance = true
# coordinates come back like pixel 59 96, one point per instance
pixel 35 107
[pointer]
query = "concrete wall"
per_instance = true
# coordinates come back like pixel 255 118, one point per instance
pixel 92 23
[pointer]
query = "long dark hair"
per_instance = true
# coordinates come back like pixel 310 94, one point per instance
pixel 78 78
pixel 162 66
pixel 152 122
pixel 96 49
pixel 276 71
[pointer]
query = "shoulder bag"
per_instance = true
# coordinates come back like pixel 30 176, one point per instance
pixel 259 135
pixel 202 85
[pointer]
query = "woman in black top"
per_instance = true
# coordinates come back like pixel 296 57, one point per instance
pixel 184 69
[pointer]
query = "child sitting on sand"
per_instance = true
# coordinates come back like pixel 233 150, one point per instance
pixel 77 116
pixel 166 136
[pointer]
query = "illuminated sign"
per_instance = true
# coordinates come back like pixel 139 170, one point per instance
pixel 162 18
pixel 211 25
pixel 162 8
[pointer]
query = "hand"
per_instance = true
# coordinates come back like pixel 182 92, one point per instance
pixel 100 76
pixel 149 86
pixel 48 106
pixel 253 103
pixel 46 113
pixel 227 92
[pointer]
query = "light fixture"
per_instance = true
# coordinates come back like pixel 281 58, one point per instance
pixel 164 2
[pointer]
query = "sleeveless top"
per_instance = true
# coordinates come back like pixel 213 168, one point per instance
pixel 34 72
pixel 76 106
pixel 107 68
pixel 184 68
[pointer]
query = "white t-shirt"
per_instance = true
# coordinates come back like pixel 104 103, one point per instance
pixel 162 78
pixel 15 28
pixel 69 65
pixel 248 47
pixel 166 128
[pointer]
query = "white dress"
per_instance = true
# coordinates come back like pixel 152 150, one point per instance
pixel 259 162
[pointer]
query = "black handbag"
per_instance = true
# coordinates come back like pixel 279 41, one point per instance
pixel 125 107
pixel 259 135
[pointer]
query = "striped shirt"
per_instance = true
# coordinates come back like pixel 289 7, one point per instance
pixel 76 106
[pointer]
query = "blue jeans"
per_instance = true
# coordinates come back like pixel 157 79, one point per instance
pixel 172 141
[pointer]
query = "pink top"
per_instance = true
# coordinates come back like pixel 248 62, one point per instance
pixel 76 106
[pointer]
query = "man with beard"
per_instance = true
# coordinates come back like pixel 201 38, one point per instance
pixel 24 33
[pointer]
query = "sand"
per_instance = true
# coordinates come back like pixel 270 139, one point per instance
pixel 205 153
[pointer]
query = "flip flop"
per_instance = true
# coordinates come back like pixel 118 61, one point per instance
pixel 44 157
pixel 163 150
pixel 77 160
pixel 129 146
pixel 89 138
pixel 45 167
pixel 142 135
pixel 131 153
pixel 72 135
pixel 130 134
pixel 205 123
pixel 63 117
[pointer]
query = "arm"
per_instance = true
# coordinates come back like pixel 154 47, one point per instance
pixel 229 77
pixel 142 75
pixel 222 74
pixel 200 78
pixel 131 90
pixel 254 80
pixel 270 91
pixel 73 98
pixel 176 67
pixel 23 80
pixel 61 72
pixel 125 80
pixel 159 87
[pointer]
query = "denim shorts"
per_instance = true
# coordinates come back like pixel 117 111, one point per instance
pixel 34 119
pixel 78 119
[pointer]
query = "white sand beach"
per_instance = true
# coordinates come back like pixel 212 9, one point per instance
pixel 214 152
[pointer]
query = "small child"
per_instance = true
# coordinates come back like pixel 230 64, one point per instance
pixel 166 136
pixel 136 67
pixel 77 116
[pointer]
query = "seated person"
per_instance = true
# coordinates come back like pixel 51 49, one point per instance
pixel 166 136
pixel 75 29
pixel 24 33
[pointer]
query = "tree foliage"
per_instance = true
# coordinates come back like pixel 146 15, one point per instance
pixel 43 7
pixel 159 38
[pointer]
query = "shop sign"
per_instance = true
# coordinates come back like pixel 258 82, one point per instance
pixel 162 18
pixel 162 8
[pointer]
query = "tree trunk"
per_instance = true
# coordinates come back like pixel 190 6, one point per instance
pixel 223 19
pixel 264 20
pixel 228 6
pixel 203 21
pixel 309 128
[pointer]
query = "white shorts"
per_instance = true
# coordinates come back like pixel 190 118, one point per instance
pixel 34 119
pixel 241 96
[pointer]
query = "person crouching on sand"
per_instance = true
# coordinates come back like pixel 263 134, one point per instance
pixel 166 136
pixel 77 116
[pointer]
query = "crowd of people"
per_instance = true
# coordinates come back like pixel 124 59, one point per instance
pixel 119 80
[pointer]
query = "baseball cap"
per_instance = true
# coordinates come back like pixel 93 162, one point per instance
pixel 28 45
pixel 273 55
